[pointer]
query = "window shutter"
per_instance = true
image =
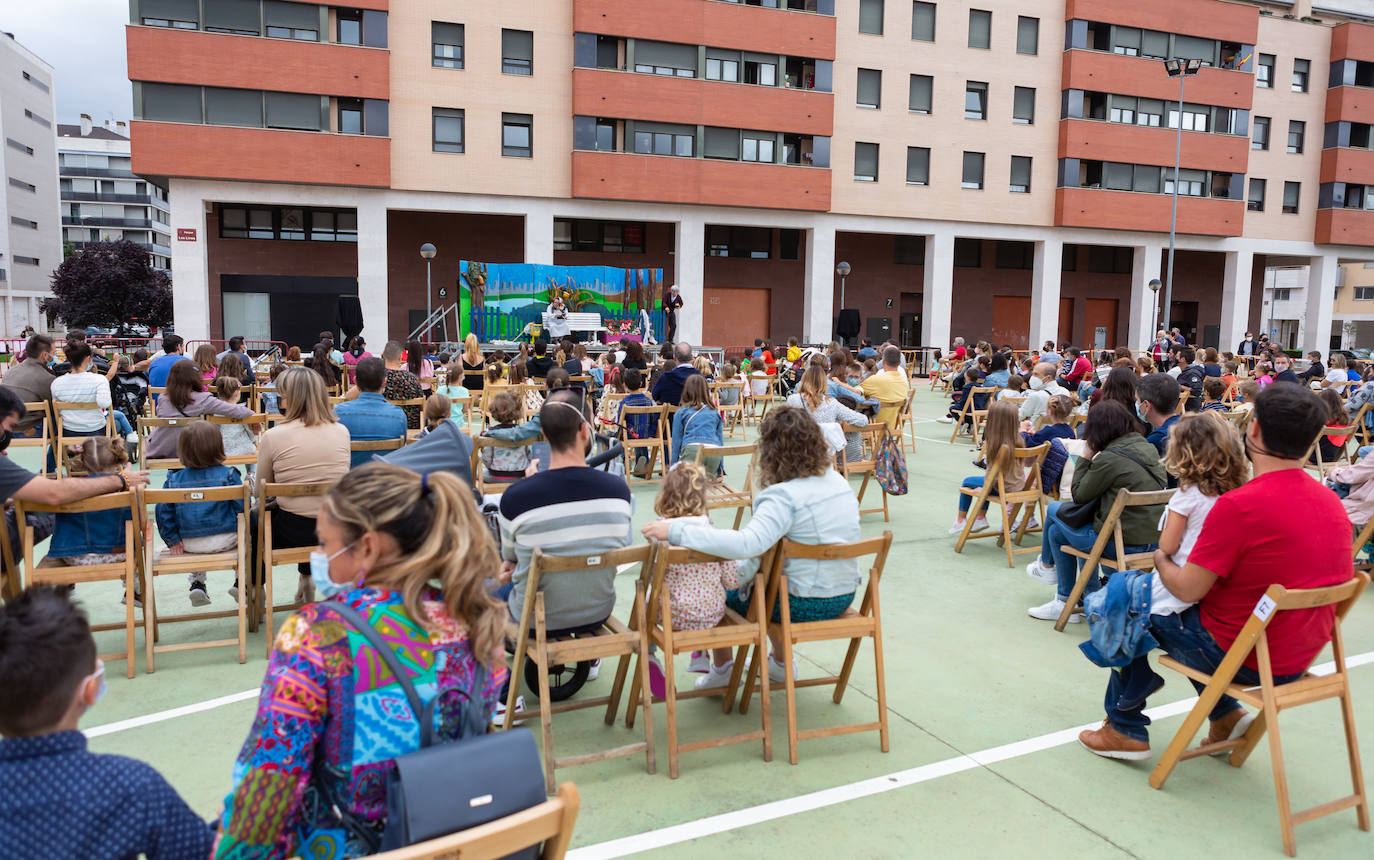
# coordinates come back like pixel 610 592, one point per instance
pixel 1027 35
pixel 919 98
pixel 918 165
pixel 299 16
pixel 1021 170
pixel 722 143
pixel 866 160
pixel 923 21
pixel 870 87
pixel 871 16
pixel 1023 104
pixel 234 15
pixel 979 28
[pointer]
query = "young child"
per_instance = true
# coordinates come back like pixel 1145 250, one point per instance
pixel 455 392
pixel 96 537
pixel 696 423
pixel 1015 387
pixel 1264 374
pixel 1232 368
pixel 495 374
pixel 438 409
pixel 62 800
pixel 533 400
pixel 1213 389
pixel 238 439
pixel 696 592
pixel 200 527
pixel 504 465
pixel 1000 443
pixel 1208 458
pixel 268 392
pixel 1054 428
pixel 758 377
pixel 607 412
pixel 1329 447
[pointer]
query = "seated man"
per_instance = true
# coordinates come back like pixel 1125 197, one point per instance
pixel 60 800
pixel 668 388
pixel 1228 570
pixel 1158 406
pixel 889 387
pixel 1077 367
pixel 369 417
pixel 1043 386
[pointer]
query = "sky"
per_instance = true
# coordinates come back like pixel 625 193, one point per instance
pixel 83 40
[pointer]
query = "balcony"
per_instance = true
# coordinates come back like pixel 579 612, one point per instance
pixel 260 155
pixel 1096 140
pixel 702 22
pixel 1350 104
pixel 110 197
pixel 599 92
pixel 97 172
pixel 1344 227
pixel 1348 165
pixel 250 62
pixel 1212 19
pixel 1129 210
pixel 630 176
pixel 1099 71
pixel 68 221
pixel 1351 41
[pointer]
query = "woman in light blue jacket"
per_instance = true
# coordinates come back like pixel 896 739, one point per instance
pixel 696 423
pixel 801 498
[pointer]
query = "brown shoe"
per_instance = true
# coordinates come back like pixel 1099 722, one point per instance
pixel 1109 743
pixel 1229 727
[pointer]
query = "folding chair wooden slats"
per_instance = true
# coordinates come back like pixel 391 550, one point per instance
pixel 62 440
pixel 871 438
pixel 1362 537
pixel 657 444
pixel 45 432
pixel 483 484
pixel 269 556
pixel 720 494
pixel 966 413
pixel 732 414
pixel 256 420
pixel 1314 458
pixel 994 492
pixel 146 426
pixel 550 823
pixel 10 580
pixel 1272 699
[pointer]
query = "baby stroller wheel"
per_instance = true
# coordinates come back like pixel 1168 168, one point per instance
pixel 565 679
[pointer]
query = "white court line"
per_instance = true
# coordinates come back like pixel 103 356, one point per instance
pixel 162 716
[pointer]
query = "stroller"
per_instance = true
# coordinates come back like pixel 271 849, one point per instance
pixel 129 394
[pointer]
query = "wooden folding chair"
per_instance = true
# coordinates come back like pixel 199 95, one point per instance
pixel 732 414
pixel 994 493
pixel 1238 418
pixel 871 438
pixel 11 581
pixel 937 377
pixel 907 440
pixel 413 402
pixel 51 571
pixel 484 484
pixel 258 421
pixel 375 446
pixel 1111 531
pixel 1314 459
pixel 1272 699
pixel 269 556
pixel 156 564
pixel 551 823
pixel 966 413
pixel 757 405
pixel 656 444
pixel 719 494
pixel 612 638
pixel 154 392
pixel 43 439
pixel 62 440
pixel 734 631
pixel 146 426
pixel 852 625
pixel 1362 537
pixel 1360 420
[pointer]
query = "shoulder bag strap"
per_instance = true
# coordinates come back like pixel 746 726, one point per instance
pixel 1133 458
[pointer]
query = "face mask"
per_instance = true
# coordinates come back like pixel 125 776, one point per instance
pixel 319 574
pixel 98 673
pixel 1140 413
pixel 1036 383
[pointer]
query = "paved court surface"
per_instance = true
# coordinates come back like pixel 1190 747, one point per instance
pixel 985 704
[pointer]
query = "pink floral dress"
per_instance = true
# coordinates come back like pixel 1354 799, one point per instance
pixel 696 592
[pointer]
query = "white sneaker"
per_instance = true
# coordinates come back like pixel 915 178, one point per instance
pixel 981 524
pixel 957 527
pixel 594 670
pixel 1036 570
pixel 498 716
pixel 700 662
pixel 719 676
pixel 132 437
pixel 776 672
pixel 1033 524
pixel 945 420
pixel 1050 612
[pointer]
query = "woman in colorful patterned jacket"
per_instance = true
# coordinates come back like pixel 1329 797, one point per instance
pixel 331 716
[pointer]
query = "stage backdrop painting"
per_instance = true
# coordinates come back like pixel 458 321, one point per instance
pixel 498 300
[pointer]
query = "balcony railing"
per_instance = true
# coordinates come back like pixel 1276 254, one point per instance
pixel 111 197
pixel 68 221
pixel 121 173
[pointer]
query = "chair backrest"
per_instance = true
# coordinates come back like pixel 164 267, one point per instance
pixel 107 502
pixel 361 445
pixel 1278 599
pixel 542 564
pixel 45 431
pixel 659 427
pixel 551 823
pixel 268 491
pixel 871 438
pixel 200 495
pixel 877 547
pixel 1030 459
pixel 1111 526
pixel 146 426
pixel 413 401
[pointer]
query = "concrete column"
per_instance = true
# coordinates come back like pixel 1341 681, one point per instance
pixel 1044 315
pixel 372 282
pixel 1143 321
pixel 1321 293
pixel 9 315
pixel 689 276
pixel 539 234
pixel 818 295
pixel 937 293
pixel 190 262
pixel 1235 298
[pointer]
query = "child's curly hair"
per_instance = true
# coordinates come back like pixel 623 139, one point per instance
pixel 100 455
pixel 683 493
pixel 504 408
pixel 1206 452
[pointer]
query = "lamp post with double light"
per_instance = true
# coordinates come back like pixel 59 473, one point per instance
pixel 1181 69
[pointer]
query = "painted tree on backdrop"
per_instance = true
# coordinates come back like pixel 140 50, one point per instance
pixel 110 284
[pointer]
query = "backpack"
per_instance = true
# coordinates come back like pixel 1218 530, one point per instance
pixel 890 466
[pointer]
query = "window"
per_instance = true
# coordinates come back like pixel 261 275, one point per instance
pixel 1027 35
pixel 42 86
pixel 1020 174
pixel 233 107
pixel 36 118
pixel 295 111
pixel 661 139
pixel 1068 258
pixel 973 170
pixel 1301 68
pixel 23 186
pixel 1296 131
pixel 975 100
pixel 751 242
pixel 171 103
pixel 758 146
pixel 917 165
pixel 448 129
pixel 1126 41
pixel 23 222
pixel 1122 110
pixel 979 28
pixel 177 14
pixel 968 253
pixel 1149 112
pixel 292 224
pixel 517 135
pixel 1110 259
pixel 722 65
pixel 909 250
pixel 789 244
pixel 1291 191
pixel 871 17
pixel 1195 117
pixel 1259 136
pixel 27 261
pixel 722 143
pixel 1281 294
pixel 1255 201
pixel 605 135
pixel 239 17
pixel 298 21
pixel 448 44
pixel 350 116
pixel 866 162
pixel 923 21
pixel 1023 105
pixel 1014 255
pixel 918 100
pixel 870 90
pixel 517 52
pixel 665 58
pixel 1191 183
pixel 1364 294
pixel 14 144
pixel 1264 71
pixel 757 71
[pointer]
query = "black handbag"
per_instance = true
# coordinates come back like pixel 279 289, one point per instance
pixel 448 786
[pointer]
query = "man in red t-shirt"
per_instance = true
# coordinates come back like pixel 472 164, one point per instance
pixel 1242 550
pixel 1080 368
pixel 960 353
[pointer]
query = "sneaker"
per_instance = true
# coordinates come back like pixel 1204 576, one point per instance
pixel 234 591
pixel 718 676
pixel 945 420
pixel 957 528
pixel 1229 727
pixel 199 596
pixel 700 663
pixel 981 524
pixel 498 716
pixel 138 600
pixel 658 682
pixel 1109 743
pixel 776 672
pixel 1037 570
pixel 1033 524
pixel 1050 612
pixel 595 670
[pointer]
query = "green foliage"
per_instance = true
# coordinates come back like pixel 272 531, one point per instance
pixel 110 284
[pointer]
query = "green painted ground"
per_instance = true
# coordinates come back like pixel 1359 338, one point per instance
pixel 967 671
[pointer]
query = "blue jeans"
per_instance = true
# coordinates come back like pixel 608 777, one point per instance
pixel 122 423
pixel 1363 451
pixel 1184 638
pixel 1057 534
pixel 965 500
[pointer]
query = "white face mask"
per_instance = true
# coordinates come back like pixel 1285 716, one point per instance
pixel 1036 383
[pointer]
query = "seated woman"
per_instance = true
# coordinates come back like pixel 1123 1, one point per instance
pixel 1118 458
pixel 311 778
pixel 997 371
pixel 1330 447
pixel 801 497
pixel 1001 440
pixel 186 397
pixel 812 397
pixel 697 423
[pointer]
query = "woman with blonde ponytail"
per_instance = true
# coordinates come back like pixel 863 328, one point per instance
pixel 410 555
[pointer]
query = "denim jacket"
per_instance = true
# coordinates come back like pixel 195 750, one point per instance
pixel 695 426
pixel 817 510
pixel 96 531
pixel 1119 620
pixel 370 418
pixel 176 522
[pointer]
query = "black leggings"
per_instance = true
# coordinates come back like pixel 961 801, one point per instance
pixel 288 530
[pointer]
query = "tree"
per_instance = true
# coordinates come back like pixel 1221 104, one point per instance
pixel 110 284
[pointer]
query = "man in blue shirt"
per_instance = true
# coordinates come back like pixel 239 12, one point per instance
pixel 173 350
pixel 60 800
pixel 668 389
pixel 1158 407
pixel 370 417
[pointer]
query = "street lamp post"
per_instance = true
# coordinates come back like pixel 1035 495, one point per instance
pixel 1154 298
pixel 843 271
pixel 427 252
pixel 1181 69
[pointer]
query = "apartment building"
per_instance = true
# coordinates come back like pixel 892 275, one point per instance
pixel 101 198
pixel 30 235
pixel 989 169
